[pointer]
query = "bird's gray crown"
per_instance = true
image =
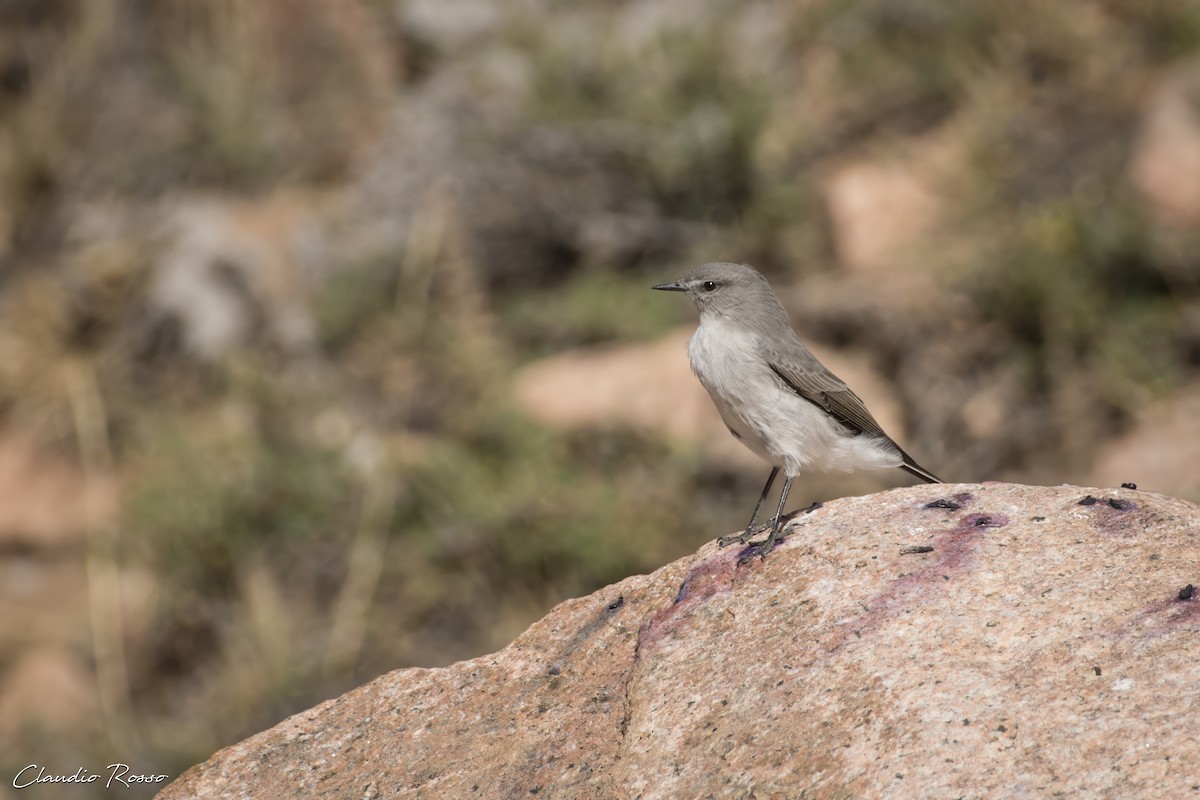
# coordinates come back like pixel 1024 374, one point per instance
pixel 733 292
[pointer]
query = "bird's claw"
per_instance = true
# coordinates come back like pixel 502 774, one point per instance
pixel 768 545
pixel 745 536
pixel 761 549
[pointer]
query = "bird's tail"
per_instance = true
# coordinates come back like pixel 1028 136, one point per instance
pixel 914 468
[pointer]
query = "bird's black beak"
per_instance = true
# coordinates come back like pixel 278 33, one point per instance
pixel 670 287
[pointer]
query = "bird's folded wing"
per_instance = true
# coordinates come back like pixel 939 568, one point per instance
pixel 810 379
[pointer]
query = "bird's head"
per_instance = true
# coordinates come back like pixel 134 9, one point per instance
pixel 725 290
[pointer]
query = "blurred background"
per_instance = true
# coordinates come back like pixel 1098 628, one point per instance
pixel 326 338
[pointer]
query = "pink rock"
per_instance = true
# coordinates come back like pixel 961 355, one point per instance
pixel 882 210
pixel 1046 645
pixel 47 688
pixel 1166 160
pixel 46 503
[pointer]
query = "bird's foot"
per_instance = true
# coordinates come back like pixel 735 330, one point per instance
pixel 761 549
pixel 747 535
pixel 767 545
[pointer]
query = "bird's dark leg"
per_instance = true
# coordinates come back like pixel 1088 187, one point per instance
pixel 742 538
pixel 761 549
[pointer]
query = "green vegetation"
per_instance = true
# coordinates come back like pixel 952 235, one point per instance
pixel 1079 281
pixel 686 118
pixel 592 306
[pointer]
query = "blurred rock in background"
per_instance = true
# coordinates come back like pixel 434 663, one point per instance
pixel 326 345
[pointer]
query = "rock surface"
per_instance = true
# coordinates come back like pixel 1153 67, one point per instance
pixel 1045 645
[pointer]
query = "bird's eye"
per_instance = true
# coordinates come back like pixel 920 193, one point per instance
pixel 709 286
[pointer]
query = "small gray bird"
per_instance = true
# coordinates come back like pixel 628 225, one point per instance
pixel 773 394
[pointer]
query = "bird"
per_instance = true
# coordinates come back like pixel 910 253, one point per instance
pixel 773 394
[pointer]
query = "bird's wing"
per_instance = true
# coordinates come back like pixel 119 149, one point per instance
pixel 812 380
pixel 809 378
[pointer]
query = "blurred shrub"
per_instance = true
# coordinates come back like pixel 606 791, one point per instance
pixel 672 110
pixel 266 89
pixel 213 497
pixel 1079 288
pixel 592 306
